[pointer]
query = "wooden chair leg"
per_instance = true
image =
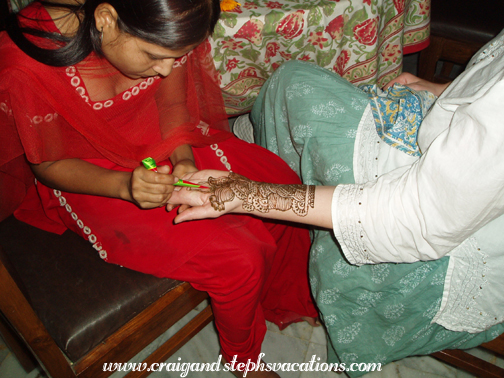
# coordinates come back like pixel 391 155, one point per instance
pixel 469 363
pixel 428 59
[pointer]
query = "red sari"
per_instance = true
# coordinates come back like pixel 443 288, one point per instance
pixel 253 270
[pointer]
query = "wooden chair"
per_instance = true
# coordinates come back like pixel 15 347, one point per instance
pixel 459 28
pixel 477 366
pixel 75 312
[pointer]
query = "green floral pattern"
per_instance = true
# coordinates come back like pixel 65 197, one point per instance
pixel 361 40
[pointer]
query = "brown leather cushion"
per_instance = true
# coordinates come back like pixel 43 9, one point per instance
pixel 78 297
pixel 467 20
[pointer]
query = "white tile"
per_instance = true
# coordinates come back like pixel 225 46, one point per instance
pixel 4 351
pixel 418 367
pixel 319 336
pixel 202 349
pixel 281 350
pixel 10 368
pixel 36 373
pixel 170 332
pixel 412 367
pixel 290 346
pixel 316 354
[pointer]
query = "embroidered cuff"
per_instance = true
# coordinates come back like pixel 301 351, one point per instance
pixel 347 225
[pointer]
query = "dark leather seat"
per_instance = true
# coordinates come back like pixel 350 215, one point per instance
pixel 80 299
pixel 91 311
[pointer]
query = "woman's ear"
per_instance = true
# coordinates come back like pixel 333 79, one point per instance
pixel 105 17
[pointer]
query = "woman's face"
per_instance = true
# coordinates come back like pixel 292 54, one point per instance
pixel 137 58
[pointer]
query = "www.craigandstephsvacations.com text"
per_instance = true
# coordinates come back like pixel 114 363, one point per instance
pixel 184 368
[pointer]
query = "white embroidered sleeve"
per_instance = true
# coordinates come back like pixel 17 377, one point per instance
pixel 423 211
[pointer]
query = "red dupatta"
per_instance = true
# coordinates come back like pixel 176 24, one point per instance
pixel 43 118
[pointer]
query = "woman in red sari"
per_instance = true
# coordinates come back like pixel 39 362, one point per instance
pixel 88 90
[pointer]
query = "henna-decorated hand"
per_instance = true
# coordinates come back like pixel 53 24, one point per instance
pixel 235 193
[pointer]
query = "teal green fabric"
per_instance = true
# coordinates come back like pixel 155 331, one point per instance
pixel 373 313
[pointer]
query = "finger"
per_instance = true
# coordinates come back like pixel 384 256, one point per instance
pixel 170 207
pixel 183 208
pixel 149 180
pixel 403 79
pixel 185 196
pixel 152 188
pixel 392 82
pixel 151 199
pixel 195 213
pixel 165 169
pixel 149 205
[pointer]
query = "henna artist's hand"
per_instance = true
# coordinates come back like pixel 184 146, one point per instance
pixel 184 167
pixel 181 170
pixel 150 189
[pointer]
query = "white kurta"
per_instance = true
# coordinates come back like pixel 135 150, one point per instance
pixel 450 201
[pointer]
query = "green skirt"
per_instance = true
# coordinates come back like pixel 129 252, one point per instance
pixel 373 313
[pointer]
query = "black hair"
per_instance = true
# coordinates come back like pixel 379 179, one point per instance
pixel 173 24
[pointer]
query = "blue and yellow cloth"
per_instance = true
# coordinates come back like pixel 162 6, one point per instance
pixel 398 113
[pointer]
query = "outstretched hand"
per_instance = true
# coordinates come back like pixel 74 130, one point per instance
pixel 195 203
pixel 417 84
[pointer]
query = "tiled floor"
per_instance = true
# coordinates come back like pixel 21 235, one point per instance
pixel 298 343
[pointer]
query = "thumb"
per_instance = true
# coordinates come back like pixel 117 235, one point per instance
pixel 190 213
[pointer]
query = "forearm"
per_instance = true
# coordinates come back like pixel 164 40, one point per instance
pixel 181 153
pixel 306 204
pixel 319 215
pixel 78 176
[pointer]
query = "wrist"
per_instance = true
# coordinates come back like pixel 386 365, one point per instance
pixel 124 186
pixel 184 166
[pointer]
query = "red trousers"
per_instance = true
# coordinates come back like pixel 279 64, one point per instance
pixel 253 270
pixel 250 282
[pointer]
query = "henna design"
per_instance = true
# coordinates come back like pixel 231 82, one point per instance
pixel 261 196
